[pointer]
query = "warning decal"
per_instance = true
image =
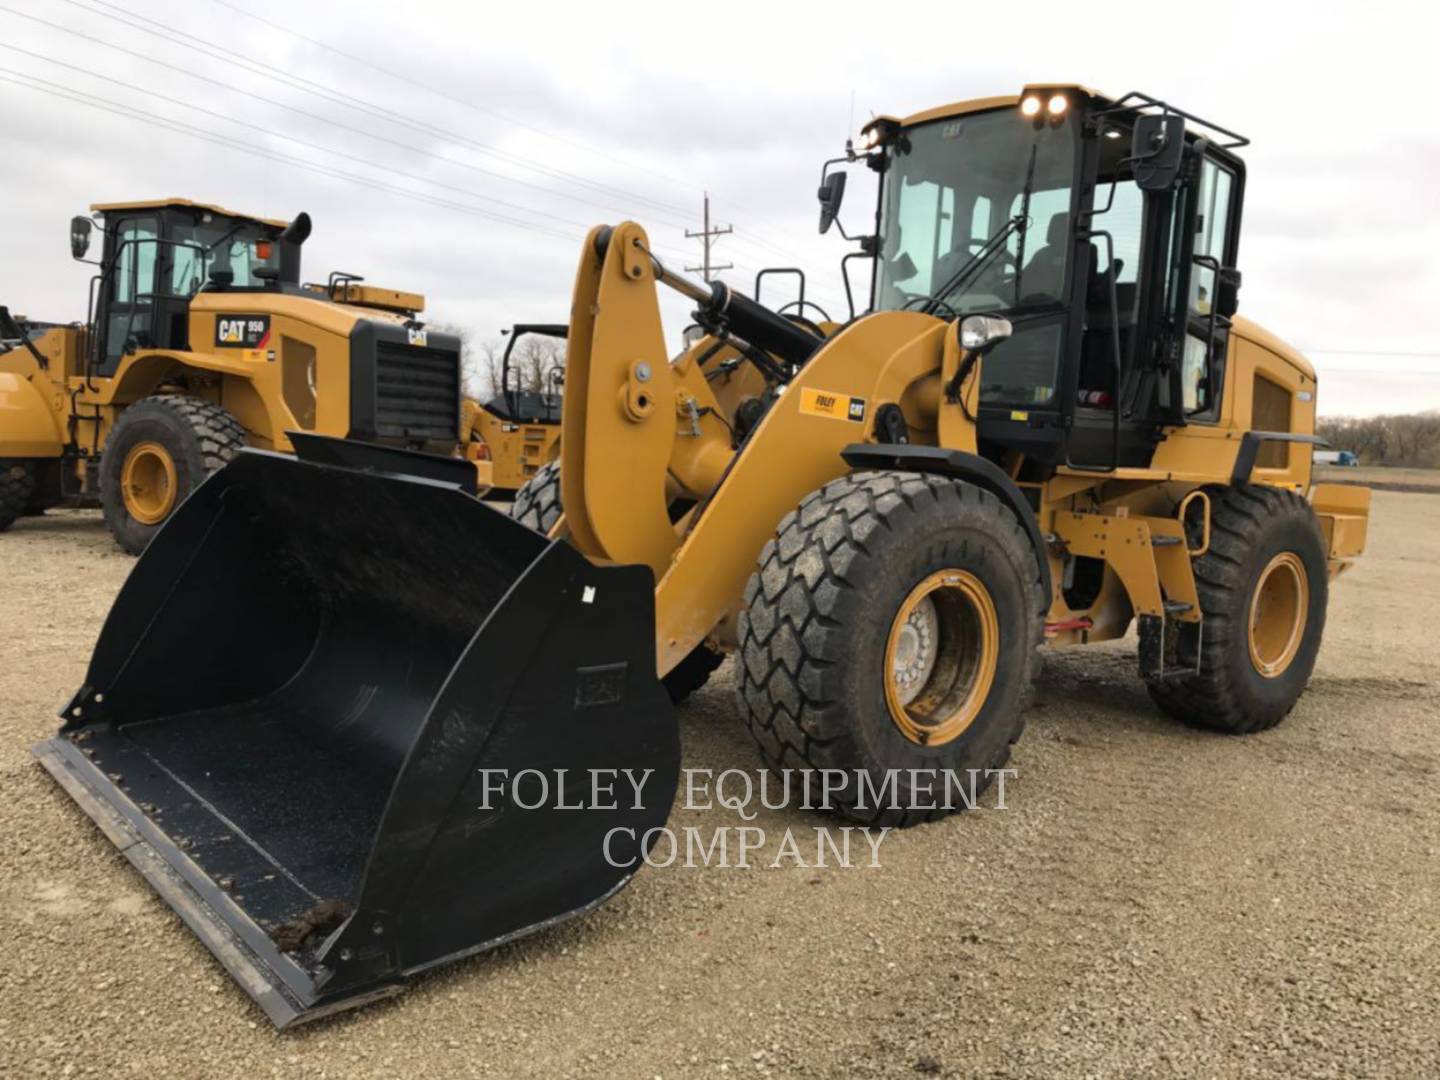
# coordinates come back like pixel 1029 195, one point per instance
pixel 836 406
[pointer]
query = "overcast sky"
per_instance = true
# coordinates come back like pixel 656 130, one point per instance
pixel 477 142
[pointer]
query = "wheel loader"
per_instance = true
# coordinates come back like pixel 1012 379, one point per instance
pixel 516 433
pixel 1051 425
pixel 200 340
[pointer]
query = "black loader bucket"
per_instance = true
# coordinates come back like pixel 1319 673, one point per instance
pixel 306 713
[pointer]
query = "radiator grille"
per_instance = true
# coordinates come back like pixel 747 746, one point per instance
pixel 417 392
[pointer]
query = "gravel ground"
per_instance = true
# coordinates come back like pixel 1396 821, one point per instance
pixel 1153 901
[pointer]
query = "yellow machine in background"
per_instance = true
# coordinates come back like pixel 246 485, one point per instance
pixel 201 340
pixel 516 433
pixel 1049 426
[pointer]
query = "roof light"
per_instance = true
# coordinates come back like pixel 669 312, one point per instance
pixel 870 138
pixel 1030 106
pixel 1057 104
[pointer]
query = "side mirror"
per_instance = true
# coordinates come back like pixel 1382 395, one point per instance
pixel 981 333
pixel 832 194
pixel 80 236
pixel 1227 292
pixel 1157 150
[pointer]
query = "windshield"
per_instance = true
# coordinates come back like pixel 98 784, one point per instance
pixel 227 243
pixel 952 186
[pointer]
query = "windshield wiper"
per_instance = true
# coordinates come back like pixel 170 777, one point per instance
pixel 994 245
pixel 976 263
pixel 1024 213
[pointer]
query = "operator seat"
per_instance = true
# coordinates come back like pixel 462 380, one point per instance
pixel 1044 275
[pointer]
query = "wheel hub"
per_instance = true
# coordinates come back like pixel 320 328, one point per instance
pixel 1279 610
pixel 148 483
pixel 915 651
pixel 941 656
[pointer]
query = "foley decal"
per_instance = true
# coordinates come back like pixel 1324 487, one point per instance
pixel 836 406
pixel 242 331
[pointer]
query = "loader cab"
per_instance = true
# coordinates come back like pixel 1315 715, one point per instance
pixel 155 258
pixel 1117 276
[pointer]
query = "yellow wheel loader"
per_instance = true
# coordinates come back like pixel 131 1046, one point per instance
pixel 1049 426
pixel 516 433
pixel 201 340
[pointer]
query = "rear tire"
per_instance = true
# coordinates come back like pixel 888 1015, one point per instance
pixel 821 676
pixel 537 503
pixel 161 449
pixel 692 673
pixel 1256 653
pixel 17 489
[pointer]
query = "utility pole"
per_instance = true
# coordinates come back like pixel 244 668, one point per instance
pixel 707 237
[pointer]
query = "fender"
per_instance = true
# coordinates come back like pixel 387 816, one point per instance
pixel 971 468
pixel 140 372
pixel 27 426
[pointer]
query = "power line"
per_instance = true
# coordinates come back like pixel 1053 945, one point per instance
pixel 370 108
pixel 324 94
pixel 385 166
pixel 332 96
pixel 288 138
pixel 350 101
pixel 371 65
pixel 129 112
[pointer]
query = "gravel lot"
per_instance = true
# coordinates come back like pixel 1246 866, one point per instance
pixel 1153 901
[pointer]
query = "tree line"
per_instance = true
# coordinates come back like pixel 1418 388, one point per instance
pixel 1409 440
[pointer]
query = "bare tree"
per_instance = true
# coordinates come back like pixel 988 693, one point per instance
pixel 1410 440
pixel 535 361
pixel 482 374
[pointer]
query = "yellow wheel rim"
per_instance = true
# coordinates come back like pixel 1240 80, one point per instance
pixel 941 656
pixel 1278 613
pixel 147 483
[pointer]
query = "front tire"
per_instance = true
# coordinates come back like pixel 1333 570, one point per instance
pixel 1263 587
pixel 160 450
pixel 17 488
pixel 893 624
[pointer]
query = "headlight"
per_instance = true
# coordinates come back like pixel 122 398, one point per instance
pixel 1030 106
pixel 983 331
pixel 1057 104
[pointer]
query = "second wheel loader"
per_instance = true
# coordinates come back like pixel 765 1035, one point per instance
pixel 1050 426
pixel 516 433
pixel 201 340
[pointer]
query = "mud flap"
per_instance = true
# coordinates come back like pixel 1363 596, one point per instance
pixel 351 725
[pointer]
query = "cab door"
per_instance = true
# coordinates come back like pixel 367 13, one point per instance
pixel 126 317
pixel 1210 290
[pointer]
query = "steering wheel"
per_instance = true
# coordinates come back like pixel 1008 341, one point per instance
pixel 923 299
